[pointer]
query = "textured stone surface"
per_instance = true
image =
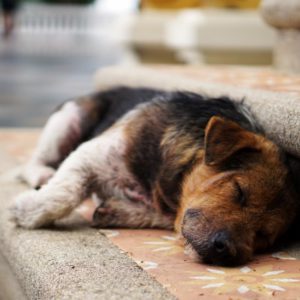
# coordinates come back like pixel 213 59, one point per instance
pixel 287 50
pixel 281 13
pixel 285 16
pixel 9 287
pixel 67 262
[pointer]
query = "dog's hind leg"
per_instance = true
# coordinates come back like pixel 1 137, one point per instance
pixel 84 171
pixel 64 131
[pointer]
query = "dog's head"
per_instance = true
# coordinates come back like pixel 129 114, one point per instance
pixel 238 199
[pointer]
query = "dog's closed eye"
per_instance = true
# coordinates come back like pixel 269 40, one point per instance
pixel 240 197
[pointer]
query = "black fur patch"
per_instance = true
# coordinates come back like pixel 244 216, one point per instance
pixel 118 102
pixel 193 108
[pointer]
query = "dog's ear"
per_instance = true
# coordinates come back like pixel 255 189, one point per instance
pixel 223 138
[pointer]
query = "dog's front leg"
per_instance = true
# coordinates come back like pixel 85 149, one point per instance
pixel 69 186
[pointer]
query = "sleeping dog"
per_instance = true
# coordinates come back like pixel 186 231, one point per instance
pixel 165 160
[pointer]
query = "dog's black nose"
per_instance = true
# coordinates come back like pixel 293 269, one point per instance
pixel 220 243
pixel 222 248
pixel 219 249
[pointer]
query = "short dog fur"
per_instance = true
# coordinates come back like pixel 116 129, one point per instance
pixel 167 160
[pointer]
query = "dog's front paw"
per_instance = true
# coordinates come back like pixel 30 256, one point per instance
pixel 37 175
pixel 27 211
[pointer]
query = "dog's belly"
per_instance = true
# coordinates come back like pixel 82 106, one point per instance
pixel 122 186
pixel 117 181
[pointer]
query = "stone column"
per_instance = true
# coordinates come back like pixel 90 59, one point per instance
pixel 284 15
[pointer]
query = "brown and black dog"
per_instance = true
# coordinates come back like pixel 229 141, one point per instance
pixel 164 159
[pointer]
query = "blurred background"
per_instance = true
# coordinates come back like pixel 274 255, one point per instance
pixel 51 49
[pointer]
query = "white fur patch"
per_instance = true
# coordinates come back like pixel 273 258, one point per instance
pixel 59 127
